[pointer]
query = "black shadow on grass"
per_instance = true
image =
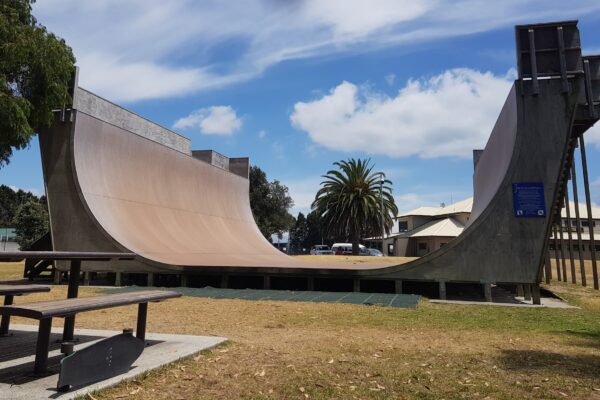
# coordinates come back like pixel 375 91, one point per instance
pixel 576 366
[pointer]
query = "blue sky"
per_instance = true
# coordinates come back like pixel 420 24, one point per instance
pixel 297 85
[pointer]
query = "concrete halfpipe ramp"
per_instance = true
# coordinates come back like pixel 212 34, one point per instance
pixel 117 182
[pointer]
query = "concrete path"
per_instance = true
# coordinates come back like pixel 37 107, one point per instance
pixel 18 383
pixel 547 302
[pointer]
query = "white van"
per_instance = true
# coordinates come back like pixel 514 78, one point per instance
pixel 346 249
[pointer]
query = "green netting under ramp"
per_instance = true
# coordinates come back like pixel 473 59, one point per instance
pixel 379 299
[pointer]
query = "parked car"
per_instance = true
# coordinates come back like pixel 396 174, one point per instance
pixel 320 250
pixel 345 249
pixel 375 252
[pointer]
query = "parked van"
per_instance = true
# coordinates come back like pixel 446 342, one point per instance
pixel 320 249
pixel 346 249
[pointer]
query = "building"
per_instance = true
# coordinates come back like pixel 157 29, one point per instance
pixel 425 229
pixel 8 240
pixel 571 230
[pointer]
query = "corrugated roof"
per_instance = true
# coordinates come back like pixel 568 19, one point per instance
pixel 447 227
pixel 463 206
pixel 582 211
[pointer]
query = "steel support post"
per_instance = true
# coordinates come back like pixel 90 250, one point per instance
pixel 578 224
pixel 569 234
pixel 588 203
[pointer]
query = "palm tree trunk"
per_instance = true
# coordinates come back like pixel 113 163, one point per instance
pixel 355 238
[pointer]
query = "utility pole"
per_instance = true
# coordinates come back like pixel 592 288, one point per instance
pixel 381 182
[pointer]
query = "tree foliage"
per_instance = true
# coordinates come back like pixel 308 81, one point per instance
pixel 299 234
pixel 35 69
pixel 348 201
pixel 11 200
pixel 30 222
pixel 270 202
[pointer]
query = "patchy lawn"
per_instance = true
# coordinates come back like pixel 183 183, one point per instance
pixel 11 271
pixel 280 350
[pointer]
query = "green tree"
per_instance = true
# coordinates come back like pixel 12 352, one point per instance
pixel 270 202
pixel 349 201
pixel 11 200
pixel 31 223
pixel 35 70
pixel 298 234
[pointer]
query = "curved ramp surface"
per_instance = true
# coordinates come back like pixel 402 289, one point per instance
pixel 116 181
pixel 166 206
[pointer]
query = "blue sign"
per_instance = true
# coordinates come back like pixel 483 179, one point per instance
pixel 528 200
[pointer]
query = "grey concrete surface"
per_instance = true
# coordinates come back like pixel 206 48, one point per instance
pixel 162 349
pixel 91 104
pixel 547 302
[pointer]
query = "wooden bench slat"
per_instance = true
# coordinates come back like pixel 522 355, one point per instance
pixel 63 308
pixel 15 290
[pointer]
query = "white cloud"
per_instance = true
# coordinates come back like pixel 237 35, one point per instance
pixel 592 136
pixel 262 134
pixel 445 115
pixel 390 79
pixel 215 120
pixel 278 150
pixel 595 191
pixel 34 191
pixel 303 192
pixel 132 50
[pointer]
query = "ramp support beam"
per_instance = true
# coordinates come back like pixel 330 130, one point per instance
pixel 398 286
pixel 442 290
pixel 487 292
pixel 535 292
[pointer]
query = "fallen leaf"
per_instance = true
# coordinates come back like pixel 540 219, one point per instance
pixel 136 390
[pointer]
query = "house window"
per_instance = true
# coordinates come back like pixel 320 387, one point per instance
pixel 402 226
pixel 551 246
pixel 422 246
pixel 576 247
pixel 598 247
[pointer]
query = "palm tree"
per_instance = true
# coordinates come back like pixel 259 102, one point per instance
pixel 349 201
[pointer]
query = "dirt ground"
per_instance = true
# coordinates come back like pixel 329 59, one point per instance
pixel 285 350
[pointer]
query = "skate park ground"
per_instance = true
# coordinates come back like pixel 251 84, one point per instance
pixel 293 350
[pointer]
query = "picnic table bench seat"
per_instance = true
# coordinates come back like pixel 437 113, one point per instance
pixel 9 291
pixel 44 311
pixel 66 307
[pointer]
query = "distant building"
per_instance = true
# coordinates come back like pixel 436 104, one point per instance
pixel 425 229
pixel 8 240
pixel 281 242
pixel 585 232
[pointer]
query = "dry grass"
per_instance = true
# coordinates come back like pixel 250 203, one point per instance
pixel 11 271
pixel 281 350
pixel 587 267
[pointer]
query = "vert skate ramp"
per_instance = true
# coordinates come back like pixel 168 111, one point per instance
pixel 116 181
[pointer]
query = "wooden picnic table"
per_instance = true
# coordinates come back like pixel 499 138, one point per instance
pixel 76 257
